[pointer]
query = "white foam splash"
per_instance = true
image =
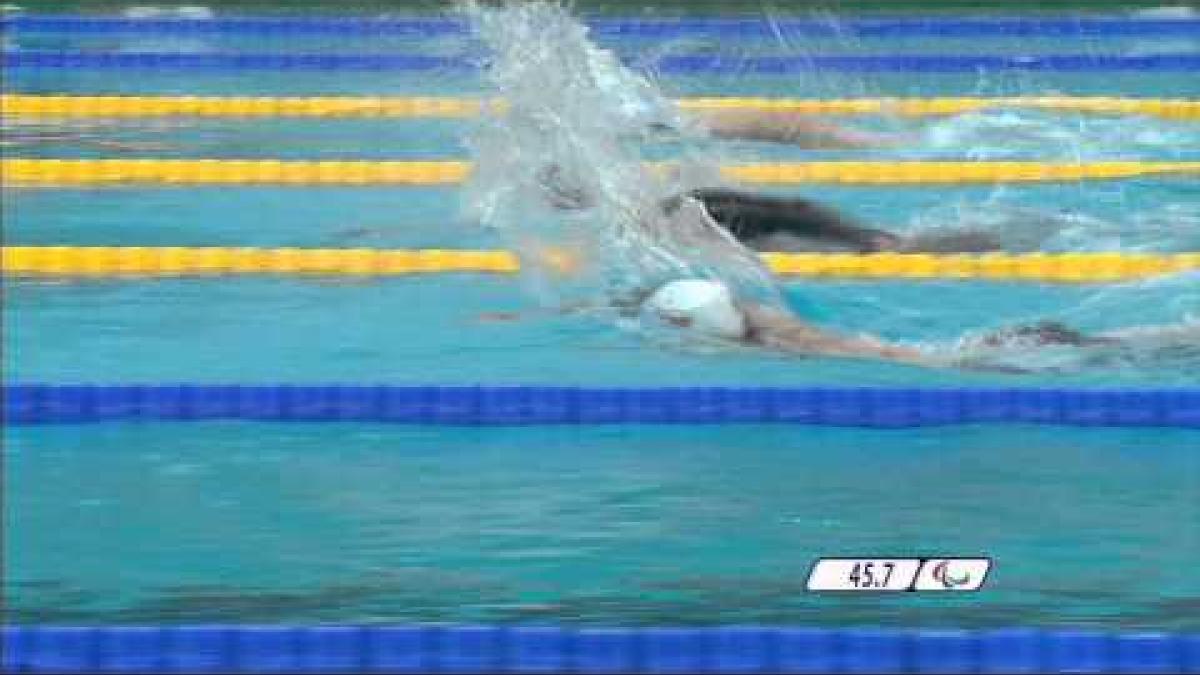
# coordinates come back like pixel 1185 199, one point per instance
pixel 1167 12
pixel 1021 228
pixel 1016 133
pixel 181 12
pixel 561 172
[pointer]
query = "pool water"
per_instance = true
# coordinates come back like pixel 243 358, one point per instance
pixel 262 523
pixel 247 522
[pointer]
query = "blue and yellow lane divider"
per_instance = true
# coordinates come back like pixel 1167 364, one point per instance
pixel 671 64
pixel 66 172
pixel 100 261
pixel 434 648
pixel 60 106
pixel 26 404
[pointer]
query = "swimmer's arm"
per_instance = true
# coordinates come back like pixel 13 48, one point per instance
pixel 782 126
pixel 873 348
pixel 779 330
pixel 506 316
pixel 628 304
pixel 867 347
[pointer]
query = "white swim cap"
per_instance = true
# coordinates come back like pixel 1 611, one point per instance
pixel 706 306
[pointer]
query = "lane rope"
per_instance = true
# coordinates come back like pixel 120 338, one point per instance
pixel 672 64
pixel 81 261
pixel 484 405
pixel 413 106
pixel 52 172
pixel 425 648
pixel 747 26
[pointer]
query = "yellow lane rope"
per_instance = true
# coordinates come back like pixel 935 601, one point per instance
pixel 51 172
pixel 74 261
pixel 375 106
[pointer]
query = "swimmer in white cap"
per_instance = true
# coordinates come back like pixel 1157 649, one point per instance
pixel 710 309
pixel 701 305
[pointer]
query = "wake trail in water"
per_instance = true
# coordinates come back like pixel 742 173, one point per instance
pixel 560 170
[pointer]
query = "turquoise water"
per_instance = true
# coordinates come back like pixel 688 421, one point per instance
pixel 261 523
pixel 274 523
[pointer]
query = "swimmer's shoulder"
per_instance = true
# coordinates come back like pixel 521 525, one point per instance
pixel 778 328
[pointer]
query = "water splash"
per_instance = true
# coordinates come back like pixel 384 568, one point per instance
pixel 190 12
pixel 560 172
pixel 184 42
pixel 1139 328
pixel 1017 226
pixel 1018 133
pixel 1170 349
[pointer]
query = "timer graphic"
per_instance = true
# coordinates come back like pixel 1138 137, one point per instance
pixel 898 574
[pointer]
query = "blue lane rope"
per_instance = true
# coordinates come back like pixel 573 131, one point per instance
pixel 652 28
pixel 444 649
pixel 26 404
pixel 696 64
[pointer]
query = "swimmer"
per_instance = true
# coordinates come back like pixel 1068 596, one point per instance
pixel 16 132
pixel 785 127
pixel 710 309
pixel 1138 344
pixel 785 224
pixel 640 106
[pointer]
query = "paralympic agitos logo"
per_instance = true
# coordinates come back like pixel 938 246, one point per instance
pixel 941 573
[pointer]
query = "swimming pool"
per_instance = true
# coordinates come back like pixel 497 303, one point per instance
pixel 252 522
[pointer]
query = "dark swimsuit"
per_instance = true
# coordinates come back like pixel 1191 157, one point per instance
pixel 756 218
pixel 759 221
